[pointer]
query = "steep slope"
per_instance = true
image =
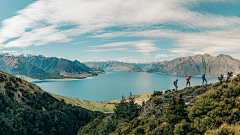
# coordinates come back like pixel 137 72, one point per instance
pixel 199 64
pixel 56 66
pixel 16 66
pixel 114 65
pixel 26 109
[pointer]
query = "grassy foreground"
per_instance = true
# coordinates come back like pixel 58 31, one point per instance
pixel 104 106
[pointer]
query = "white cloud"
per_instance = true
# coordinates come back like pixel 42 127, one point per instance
pixel 43 21
pixel 133 59
pixel 161 56
pixel 79 42
pixel 8 51
pixel 146 54
pixel 144 46
pixel 212 41
pixel 27 51
pixel 108 50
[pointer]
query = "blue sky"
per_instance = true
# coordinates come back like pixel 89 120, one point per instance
pixel 126 30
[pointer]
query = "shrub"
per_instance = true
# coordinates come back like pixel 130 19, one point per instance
pixel 197 87
pixel 182 128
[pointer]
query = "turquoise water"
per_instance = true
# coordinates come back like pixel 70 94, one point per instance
pixel 115 84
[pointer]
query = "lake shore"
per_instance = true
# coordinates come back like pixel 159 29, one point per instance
pixel 62 79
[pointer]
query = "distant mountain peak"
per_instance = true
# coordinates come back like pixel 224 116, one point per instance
pixel 5 54
pixel 206 54
pixel 224 55
pixel 31 55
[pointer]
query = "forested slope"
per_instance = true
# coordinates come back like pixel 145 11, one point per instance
pixel 26 109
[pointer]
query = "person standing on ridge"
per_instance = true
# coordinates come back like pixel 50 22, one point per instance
pixel 188 81
pixel 204 79
pixel 175 84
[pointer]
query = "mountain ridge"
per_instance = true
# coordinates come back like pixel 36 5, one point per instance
pixel 16 66
pixel 57 66
pixel 114 65
pixel 199 64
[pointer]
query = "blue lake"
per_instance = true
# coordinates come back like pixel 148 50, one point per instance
pixel 115 84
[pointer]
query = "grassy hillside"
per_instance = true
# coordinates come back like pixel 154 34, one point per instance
pixel 216 112
pixel 90 105
pixel 104 106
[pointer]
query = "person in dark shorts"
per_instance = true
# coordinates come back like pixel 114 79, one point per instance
pixel 188 81
pixel 204 79
pixel 175 84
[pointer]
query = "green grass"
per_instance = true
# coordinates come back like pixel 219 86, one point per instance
pixel 90 105
pixel 137 98
pixel 104 106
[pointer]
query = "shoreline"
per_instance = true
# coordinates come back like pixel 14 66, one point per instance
pixel 64 79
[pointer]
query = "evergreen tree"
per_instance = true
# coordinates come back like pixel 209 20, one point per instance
pixel 176 111
pixel 126 110
pixel 229 75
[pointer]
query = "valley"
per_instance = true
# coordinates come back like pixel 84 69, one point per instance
pixel 120 67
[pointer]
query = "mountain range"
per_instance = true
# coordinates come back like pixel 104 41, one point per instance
pixel 41 67
pixel 145 66
pixel 18 67
pixel 115 65
pixel 199 64
pixel 56 66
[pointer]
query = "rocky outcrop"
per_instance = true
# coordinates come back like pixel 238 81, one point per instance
pixel 199 64
pixel 156 106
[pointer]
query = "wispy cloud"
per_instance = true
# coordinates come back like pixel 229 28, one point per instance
pixel 27 51
pixel 143 46
pixel 212 42
pixel 8 51
pixel 79 42
pixel 161 56
pixel 45 21
pixel 108 50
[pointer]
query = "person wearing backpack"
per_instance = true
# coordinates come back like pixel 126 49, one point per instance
pixel 204 79
pixel 175 84
pixel 188 81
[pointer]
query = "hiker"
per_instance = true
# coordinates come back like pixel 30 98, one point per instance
pixel 188 81
pixel 175 84
pixel 204 79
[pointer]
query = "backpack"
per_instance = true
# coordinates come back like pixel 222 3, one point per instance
pixel 174 82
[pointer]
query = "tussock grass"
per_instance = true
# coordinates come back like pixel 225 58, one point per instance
pixel 104 106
